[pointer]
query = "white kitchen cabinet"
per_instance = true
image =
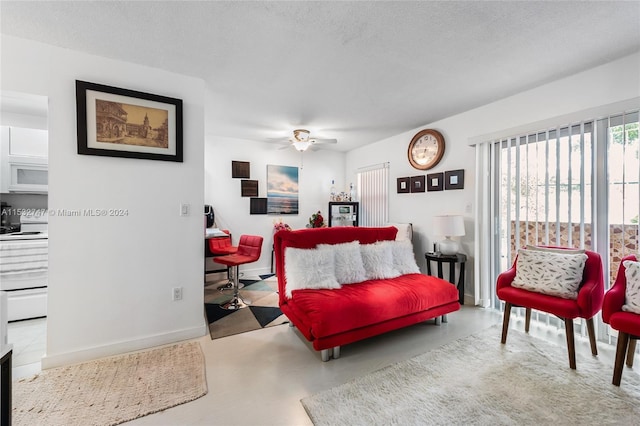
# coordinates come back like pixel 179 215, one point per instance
pixel 23 160
pixel 32 143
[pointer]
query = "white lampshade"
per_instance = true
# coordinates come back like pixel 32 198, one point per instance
pixel 448 226
pixel 301 145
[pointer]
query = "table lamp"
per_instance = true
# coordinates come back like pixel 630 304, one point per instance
pixel 449 226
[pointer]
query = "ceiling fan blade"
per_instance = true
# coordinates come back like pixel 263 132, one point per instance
pixel 325 140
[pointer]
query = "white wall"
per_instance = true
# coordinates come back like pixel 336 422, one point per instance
pixel 110 278
pixel 604 85
pixel 232 211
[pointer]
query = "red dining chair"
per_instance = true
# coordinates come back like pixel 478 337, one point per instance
pixel 221 246
pixel 249 250
pixel 627 323
pixel 587 304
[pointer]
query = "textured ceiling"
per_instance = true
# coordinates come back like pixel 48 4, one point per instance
pixel 355 71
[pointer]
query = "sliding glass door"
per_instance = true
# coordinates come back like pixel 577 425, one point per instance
pixel 571 186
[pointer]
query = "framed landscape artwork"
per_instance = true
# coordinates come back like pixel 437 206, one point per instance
pixel 282 190
pixel 117 122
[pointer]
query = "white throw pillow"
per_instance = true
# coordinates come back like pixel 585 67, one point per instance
pixel 378 261
pixel 632 292
pixel 549 272
pixel 309 268
pixel 404 260
pixel 348 261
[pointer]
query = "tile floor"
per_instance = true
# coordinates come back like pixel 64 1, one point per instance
pixel 259 377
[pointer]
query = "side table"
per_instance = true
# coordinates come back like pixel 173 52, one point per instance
pixel 451 260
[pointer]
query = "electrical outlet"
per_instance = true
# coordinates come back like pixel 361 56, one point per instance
pixel 177 293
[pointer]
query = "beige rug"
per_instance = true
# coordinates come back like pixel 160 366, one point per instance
pixel 478 381
pixel 112 390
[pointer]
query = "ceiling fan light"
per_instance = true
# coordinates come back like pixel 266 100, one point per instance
pixel 301 145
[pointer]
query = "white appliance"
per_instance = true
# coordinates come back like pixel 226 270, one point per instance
pixel 24 268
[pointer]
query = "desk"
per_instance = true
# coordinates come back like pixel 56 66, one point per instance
pixel 451 260
pixel 5 384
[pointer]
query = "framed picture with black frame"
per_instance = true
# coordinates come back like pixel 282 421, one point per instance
pixel 117 122
pixel 403 185
pixel 240 169
pixel 417 184
pixel 454 179
pixel 249 188
pixel 434 182
pixel 258 206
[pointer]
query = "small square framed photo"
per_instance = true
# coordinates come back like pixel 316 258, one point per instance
pixel 240 169
pixel 258 206
pixel 404 185
pixel 454 179
pixel 434 182
pixel 249 188
pixel 417 184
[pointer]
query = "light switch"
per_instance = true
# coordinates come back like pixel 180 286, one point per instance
pixel 184 209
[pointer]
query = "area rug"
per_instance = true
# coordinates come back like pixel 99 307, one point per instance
pixel 111 390
pixel 476 380
pixel 263 310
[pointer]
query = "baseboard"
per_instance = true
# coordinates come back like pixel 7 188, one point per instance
pixel 119 348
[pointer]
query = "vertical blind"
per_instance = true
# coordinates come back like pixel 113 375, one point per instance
pixel 373 194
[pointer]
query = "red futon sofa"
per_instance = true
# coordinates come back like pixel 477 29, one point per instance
pixel 331 317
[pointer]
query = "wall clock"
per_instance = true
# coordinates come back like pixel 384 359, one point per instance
pixel 426 149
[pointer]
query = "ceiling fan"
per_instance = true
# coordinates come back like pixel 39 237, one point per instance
pixel 302 140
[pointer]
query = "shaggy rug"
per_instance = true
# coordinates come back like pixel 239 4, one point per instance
pixel 113 390
pixel 263 310
pixel 476 380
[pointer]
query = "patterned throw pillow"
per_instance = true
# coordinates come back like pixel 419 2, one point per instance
pixel 632 293
pixel 548 272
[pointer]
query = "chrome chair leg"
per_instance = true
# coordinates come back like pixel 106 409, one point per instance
pixel 236 301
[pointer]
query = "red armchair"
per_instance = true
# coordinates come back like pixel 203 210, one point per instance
pixel 587 305
pixel 627 323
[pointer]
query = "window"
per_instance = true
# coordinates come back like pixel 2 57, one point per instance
pixel 373 194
